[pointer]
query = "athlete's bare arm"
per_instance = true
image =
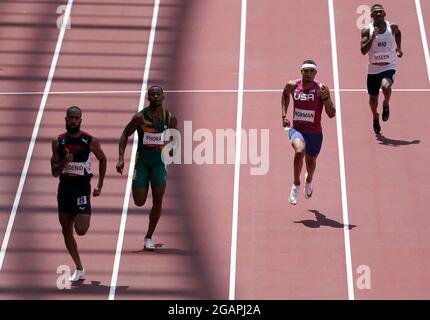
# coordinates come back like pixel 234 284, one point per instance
pixel 57 165
pixel 398 37
pixel 286 94
pixel 98 152
pixel 366 40
pixel 128 131
pixel 324 94
pixel 173 122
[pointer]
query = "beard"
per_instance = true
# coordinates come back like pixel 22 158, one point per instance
pixel 73 129
pixel 307 81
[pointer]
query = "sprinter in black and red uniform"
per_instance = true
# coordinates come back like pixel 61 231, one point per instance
pixel 71 161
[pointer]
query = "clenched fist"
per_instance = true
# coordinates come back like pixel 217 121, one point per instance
pixel 324 92
pixel 375 32
pixel 285 122
pixel 120 166
pixel 68 157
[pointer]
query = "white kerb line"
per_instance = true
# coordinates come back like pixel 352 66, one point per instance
pixel 233 253
pixel 35 133
pixel 423 36
pixel 115 270
pixel 348 258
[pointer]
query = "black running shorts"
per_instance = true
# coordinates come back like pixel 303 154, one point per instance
pixel 374 81
pixel 74 198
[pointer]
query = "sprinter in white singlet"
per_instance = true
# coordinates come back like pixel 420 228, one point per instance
pixel 382 41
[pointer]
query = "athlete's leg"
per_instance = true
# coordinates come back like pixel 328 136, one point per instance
pixel 386 89
pixel 373 103
pixel 298 143
pixel 310 170
pixel 140 182
pixel 373 86
pixel 299 153
pixel 139 196
pixel 311 164
pixel 82 223
pixel 157 202
pixel 386 85
pixel 313 148
pixel 66 221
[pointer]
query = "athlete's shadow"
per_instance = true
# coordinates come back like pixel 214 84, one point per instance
pixel 160 250
pixel 94 287
pixel 393 142
pixel 322 221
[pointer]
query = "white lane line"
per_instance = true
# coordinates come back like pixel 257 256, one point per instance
pixel 240 91
pixel 119 245
pixel 397 90
pixel 35 133
pixel 194 91
pixel 348 258
pixel 423 36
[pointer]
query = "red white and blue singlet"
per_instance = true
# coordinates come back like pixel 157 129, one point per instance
pixel 308 108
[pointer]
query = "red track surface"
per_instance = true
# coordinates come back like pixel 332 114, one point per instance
pixel 386 180
pixel 286 259
pixel 283 252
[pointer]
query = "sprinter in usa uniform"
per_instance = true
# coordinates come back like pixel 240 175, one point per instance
pixel 305 132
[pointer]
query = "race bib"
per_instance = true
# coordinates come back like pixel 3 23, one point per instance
pixel 304 115
pixel 74 168
pixel 381 57
pixel 150 138
pixel 82 200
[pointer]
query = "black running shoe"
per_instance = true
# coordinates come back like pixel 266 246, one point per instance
pixel 376 126
pixel 385 112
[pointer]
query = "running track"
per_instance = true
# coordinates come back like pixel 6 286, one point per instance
pixel 378 218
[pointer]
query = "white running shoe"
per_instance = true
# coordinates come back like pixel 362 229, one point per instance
pixel 77 275
pixel 308 188
pixel 294 194
pixel 148 244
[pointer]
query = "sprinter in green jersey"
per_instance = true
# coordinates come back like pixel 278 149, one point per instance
pixel 150 123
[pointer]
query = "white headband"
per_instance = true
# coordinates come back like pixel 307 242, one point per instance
pixel 309 65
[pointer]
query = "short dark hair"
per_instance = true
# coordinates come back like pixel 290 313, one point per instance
pixel 155 87
pixel 73 109
pixel 310 62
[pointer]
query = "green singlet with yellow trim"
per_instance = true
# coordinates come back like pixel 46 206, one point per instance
pixel 149 165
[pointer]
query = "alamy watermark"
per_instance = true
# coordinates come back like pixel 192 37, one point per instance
pixel 364 18
pixel 62 11
pixel 63 280
pixel 364 280
pixel 205 147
